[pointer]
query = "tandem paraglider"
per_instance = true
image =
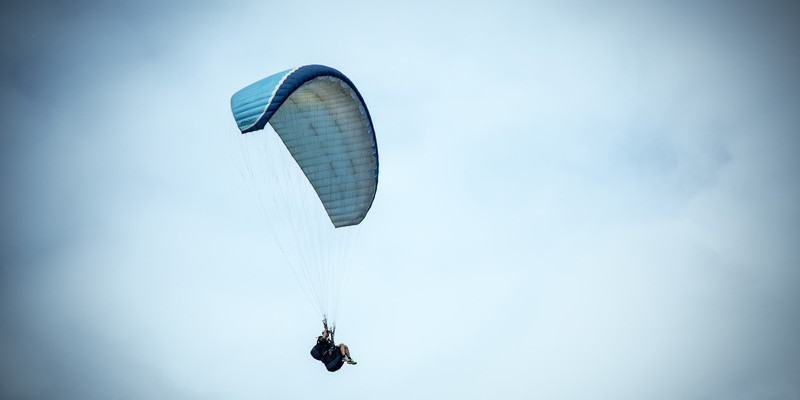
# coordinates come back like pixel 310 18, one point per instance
pixel 315 178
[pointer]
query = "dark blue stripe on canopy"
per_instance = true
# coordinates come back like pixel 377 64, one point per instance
pixel 294 81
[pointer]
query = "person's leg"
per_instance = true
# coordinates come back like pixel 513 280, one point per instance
pixel 346 352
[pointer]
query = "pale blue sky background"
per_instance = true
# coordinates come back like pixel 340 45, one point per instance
pixel 577 200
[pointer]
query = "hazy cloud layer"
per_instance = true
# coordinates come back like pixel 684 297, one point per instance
pixel 584 200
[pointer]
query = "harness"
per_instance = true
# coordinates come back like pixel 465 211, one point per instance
pixel 332 361
pixel 331 332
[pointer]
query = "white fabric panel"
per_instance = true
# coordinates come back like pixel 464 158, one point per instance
pixel 328 133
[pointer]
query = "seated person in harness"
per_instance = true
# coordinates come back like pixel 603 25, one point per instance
pixel 332 355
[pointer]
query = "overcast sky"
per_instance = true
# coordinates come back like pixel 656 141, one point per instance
pixel 577 200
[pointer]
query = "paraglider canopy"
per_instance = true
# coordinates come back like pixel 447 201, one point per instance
pixel 322 119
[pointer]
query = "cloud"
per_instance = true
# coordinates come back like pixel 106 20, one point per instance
pixel 597 200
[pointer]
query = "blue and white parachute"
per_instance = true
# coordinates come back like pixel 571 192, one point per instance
pixel 315 176
pixel 324 123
